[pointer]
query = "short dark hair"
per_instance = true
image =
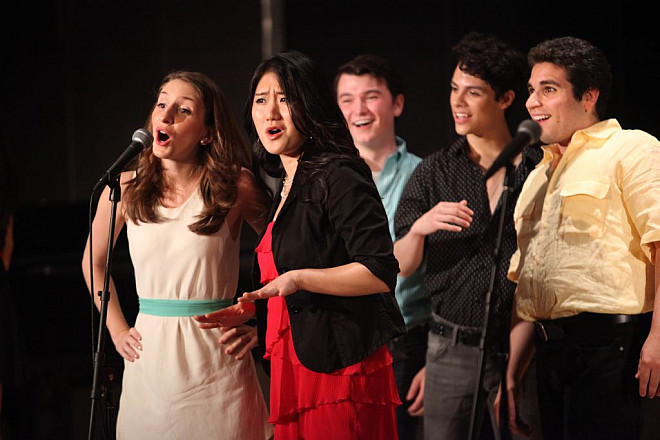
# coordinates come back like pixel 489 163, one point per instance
pixel 498 63
pixel 376 66
pixel 586 66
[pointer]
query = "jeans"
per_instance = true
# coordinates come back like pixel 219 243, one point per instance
pixel 451 375
pixel 586 383
pixel 409 353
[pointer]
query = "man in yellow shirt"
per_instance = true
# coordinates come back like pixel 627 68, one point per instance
pixel 588 226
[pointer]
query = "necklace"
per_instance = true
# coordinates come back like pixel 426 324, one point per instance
pixel 286 185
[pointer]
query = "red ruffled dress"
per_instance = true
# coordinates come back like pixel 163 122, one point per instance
pixel 354 402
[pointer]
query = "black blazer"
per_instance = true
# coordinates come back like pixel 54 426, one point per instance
pixel 325 224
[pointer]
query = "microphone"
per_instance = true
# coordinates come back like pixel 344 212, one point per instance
pixel 141 139
pixel 528 133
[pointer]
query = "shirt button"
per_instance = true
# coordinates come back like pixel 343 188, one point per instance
pixel 295 309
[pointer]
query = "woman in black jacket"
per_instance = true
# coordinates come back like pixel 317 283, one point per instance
pixel 325 263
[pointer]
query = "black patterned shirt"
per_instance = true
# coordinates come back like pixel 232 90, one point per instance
pixel 459 264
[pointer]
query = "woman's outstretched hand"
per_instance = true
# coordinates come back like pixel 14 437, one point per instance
pixel 227 317
pixel 284 285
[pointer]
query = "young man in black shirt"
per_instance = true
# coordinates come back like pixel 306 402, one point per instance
pixel 448 217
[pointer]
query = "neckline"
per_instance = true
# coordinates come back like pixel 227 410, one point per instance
pixel 185 202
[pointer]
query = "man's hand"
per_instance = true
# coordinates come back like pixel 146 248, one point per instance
pixel 648 370
pixel 514 395
pixel 416 394
pixel 447 216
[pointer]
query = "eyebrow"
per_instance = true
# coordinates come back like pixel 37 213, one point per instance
pixel 545 82
pixel 183 97
pixel 366 92
pixel 266 92
pixel 469 86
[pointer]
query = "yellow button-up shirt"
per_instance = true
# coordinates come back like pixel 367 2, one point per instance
pixel 585 223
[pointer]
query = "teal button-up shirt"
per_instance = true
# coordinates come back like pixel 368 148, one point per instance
pixel 410 292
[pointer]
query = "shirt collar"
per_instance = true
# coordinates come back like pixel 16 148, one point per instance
pixel 400 148
pixel 600 130
pixel 459 146
pixel 399 153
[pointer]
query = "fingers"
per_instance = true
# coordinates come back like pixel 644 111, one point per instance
pixel 416 408
pixel 415 387
pixel 250 296
pixel 133 332
pixel 457 213
pixel 227 317
pixel 450 216
pixel 653 384
pixel 262 293
pixel 416 392
pixel 648 370
pixel 649 382
pixel 239 340
pixel 129 344
pixel 643 377
pixel 516 425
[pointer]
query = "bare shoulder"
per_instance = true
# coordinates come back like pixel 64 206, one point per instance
pixel 246 180
pixel 126 176
pixel 252 201
pixel 247 187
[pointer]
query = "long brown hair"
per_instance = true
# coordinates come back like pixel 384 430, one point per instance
pixel 219 163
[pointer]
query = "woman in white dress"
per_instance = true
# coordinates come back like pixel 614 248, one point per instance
pixel 183 207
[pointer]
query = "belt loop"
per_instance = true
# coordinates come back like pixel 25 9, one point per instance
pixel 454 336
pixel 540 331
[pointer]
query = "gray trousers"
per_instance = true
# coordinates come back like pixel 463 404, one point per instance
pixel 451 371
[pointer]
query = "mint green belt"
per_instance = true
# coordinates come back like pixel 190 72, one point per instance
pixel 181 307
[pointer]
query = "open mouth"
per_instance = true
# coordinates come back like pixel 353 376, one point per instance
pixel 163 137
pixel 362 123
pixel 274 131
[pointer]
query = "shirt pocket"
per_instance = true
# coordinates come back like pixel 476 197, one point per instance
pixel 583 209
pixel 524 220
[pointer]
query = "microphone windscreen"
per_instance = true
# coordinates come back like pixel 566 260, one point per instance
pixel 143 136
pixel 531 128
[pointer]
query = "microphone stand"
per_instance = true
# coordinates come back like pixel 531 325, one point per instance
pixel 101 394
pixel 486 329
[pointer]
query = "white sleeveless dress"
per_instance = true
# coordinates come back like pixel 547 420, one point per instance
pixel 183 386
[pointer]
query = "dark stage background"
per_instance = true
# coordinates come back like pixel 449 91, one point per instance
pixel 79 77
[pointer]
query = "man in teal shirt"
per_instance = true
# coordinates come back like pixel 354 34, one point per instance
pixel 370 95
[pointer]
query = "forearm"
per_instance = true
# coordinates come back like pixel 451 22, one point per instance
pixel 655 323
pixel 115 322
pixel 521 349
pixel 409 251
pixel 353 279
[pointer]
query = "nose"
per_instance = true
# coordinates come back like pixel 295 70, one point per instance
pixel 361 106
pixel 165 115
pixel 273 110
pixel 532 101
pixel 457 98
